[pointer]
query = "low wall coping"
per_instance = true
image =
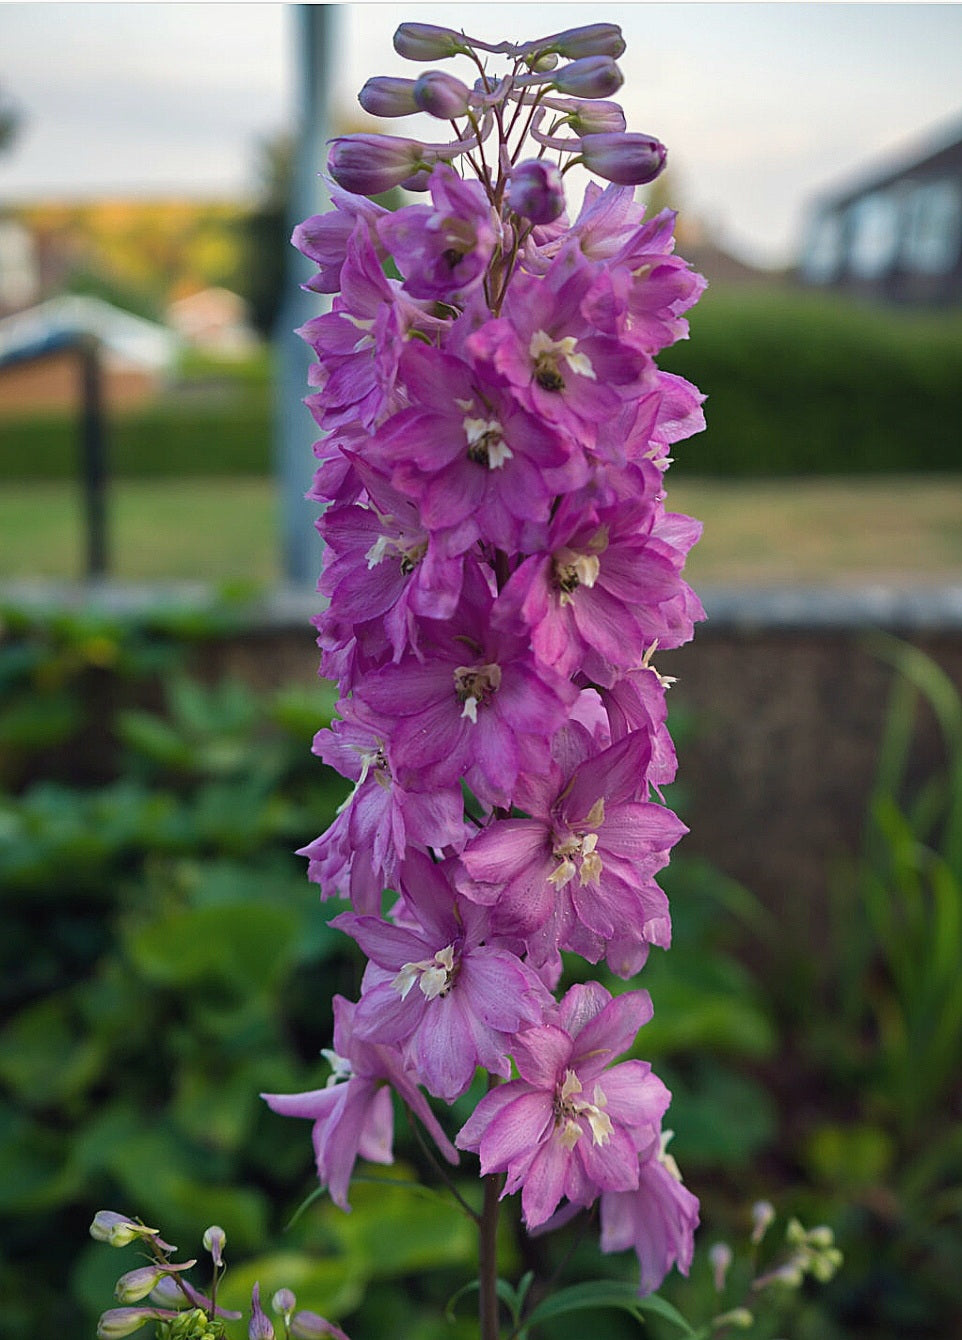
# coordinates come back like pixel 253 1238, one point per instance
pixel 730 609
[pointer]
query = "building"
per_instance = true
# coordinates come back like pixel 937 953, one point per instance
pixel 39 369
pixel 896 235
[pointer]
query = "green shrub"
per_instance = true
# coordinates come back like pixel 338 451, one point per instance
pixel 801 383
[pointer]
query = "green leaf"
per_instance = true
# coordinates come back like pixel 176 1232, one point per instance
pixel 330 1286
pixel 393 1232
pixel 606 1293
pixel 243 944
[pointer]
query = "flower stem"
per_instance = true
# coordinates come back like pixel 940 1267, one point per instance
pixel 488 1259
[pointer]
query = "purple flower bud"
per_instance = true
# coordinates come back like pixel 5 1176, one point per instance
pixel 386 96
pixel 536 191
pixel 118 1229
pixel 627 160
pixel 594 39
pixel 284 1302
pixel 370 164
pixel 592 77
pixel 137 1284
pixel 261 1327
pixel 720 1259
pixel 179 1294
pixel 167 1292
pixel 441 95
pixel 426 41
pixel 596 118
pixel 120 1321
pixel 214 1240
pixel 310 1326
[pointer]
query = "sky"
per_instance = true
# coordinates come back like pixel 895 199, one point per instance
pixel 763 106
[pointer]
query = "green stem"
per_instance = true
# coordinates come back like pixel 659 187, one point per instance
pixel 488 1260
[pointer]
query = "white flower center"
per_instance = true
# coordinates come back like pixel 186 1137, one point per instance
pixel 571 1112
pixel 576 854
pixel 547 354
pixel 340 1068
pixel 486 444
pixel 434 976
pixel 572 570
pixel 475 684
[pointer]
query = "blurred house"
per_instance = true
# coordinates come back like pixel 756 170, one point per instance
pixel 214 320
pixel 39 367
pixel 894 235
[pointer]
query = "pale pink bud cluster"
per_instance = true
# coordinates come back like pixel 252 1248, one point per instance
pixel 535 84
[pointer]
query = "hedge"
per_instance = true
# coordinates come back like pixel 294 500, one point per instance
pixel 797 383
pixel 803 383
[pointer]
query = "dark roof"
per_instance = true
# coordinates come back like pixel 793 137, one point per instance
pixel 939 149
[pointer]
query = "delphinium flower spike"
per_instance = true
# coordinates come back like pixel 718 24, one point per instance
pixel 500 570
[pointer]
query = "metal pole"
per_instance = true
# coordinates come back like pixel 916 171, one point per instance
pixel 314 37
pixel 93 456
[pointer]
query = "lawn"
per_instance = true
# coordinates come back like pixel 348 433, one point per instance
pixel 835 531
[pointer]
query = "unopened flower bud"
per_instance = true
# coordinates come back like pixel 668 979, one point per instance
pixel 137 1284
pixel 118 1229
pixel 441 95
pixel 168 1293
pixel 194 1325
pixel 720 1259
pixel 627 160
pixel 763 1214
pixel 284 1302
pixel 370 164
pixel 261 1327
pixel 548 61
pixel 215 1240
pixel 120 1321
pixel 592 77
pixel 594 39
pixel 825 1263
pixel 386 96
pixel 596 118
pixel 310 1326
pixel 426 41
pixel 536 191
pixel 739 1317
pixel 821 1237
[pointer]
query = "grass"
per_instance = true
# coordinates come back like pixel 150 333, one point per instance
pixel 835 531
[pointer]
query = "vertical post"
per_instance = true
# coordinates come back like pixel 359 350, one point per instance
pixel 93 456
pixel 294 431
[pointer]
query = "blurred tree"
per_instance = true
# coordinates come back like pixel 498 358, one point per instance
pixel 9 121
pixel 266 231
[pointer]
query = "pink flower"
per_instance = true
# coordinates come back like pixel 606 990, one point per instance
pixel 359 855
pixel 559 364
pixel 474 462
pixel 446 988
pixel 658 1220
pixel 571 1125
pixel 352 1116
pixel 324 238
pixel 474 705
pixel 603 588
pixel 578 874
pixel 442 249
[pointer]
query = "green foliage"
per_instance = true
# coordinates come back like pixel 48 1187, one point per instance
pixel 159 948
pixel 163 961
pixel 807 383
